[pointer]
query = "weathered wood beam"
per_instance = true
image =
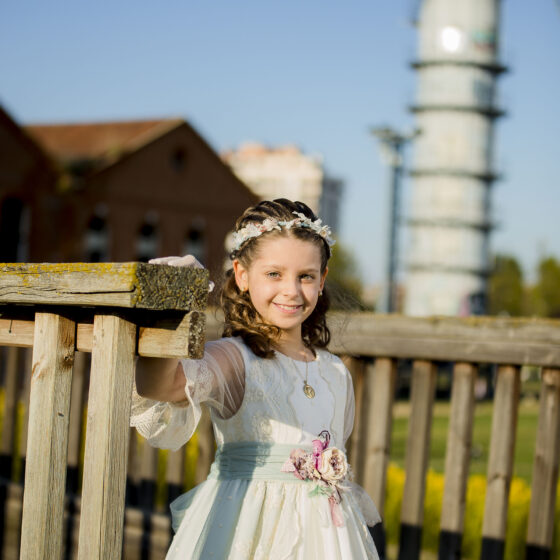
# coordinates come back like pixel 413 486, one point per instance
pixel 455 339
pixel 180 337
pixel 129 285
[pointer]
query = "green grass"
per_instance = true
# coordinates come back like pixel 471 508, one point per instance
pixel 524 446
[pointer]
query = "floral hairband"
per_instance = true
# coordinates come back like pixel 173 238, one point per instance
pixel 302 221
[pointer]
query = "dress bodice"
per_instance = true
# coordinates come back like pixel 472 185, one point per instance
pixel 275 409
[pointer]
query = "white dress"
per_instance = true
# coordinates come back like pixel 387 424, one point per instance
pixel 248 508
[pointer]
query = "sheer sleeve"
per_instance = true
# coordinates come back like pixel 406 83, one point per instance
pixel 217 380
pixel 364 501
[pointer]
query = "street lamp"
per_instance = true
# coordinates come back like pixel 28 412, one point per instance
pixel 391 144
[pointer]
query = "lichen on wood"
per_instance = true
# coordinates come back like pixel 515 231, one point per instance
pixel 128 285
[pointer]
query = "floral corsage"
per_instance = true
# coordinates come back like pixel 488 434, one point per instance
pixel 326 467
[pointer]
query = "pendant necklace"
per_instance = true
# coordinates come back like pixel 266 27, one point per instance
pixel 308 391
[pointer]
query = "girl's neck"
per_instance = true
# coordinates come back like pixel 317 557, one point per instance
pixel 294 348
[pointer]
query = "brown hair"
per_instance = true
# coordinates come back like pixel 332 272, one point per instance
pixel 241 317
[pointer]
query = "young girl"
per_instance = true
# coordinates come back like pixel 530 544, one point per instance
pixel 282 407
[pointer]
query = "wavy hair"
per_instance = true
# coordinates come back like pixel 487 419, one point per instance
pixel 241 317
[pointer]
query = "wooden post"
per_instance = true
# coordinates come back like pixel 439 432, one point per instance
pixel 45 472
pixel 76 409
pixel 25 392
pixel 12 358
pixel 175 473
pixel 545 468
pixel 417 456
pixel 205 447
pixel 378 419
pixel 380 391
pixel 112 370
pixel 500 462
pixel 457 457
pixel 356 367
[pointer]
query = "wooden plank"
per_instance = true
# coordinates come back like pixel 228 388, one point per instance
pixel 45 472
pixel 131 285
pixel 457 457
pixel 502 445
pixel 12 522
pixel 356 367
pixel 175 474
pixel 181 337
pixel 12 357
pixel 545 467
pixel 104 478
pixel 488 339
pixel 473 339
pixel 26 389
pixel 76 419
pixel 418 443
pixel 379 393
pixel 205 447
pixel 16 333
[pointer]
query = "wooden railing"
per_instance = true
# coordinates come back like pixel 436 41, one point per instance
pixel 372 346
pixel 113 311
pixel 507 343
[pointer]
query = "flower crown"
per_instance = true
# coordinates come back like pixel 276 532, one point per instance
pixel 302 221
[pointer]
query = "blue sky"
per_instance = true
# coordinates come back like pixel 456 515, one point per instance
pixel 313 73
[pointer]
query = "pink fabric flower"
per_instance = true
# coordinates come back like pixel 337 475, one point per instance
pixel 326 467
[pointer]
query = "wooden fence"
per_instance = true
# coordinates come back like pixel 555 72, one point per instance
pixel 113 311
pixel 371 345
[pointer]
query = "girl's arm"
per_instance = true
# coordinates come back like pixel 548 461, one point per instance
pixel 160 379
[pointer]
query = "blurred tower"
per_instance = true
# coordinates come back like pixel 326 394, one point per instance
pixel 452 171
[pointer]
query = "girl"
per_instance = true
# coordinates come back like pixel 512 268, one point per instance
pixel 282 407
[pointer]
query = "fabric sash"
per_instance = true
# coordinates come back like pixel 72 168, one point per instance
pixel 252 460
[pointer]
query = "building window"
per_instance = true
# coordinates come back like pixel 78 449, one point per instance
pixel 178 159
pixel 14 231
pixel 147 239
pixel 195 240
pixel 97 236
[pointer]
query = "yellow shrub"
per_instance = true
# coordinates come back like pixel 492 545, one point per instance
pixel 518 513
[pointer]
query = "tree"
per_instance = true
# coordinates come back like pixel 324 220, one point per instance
pixel 343 281
pixel 544 297
pixel 505 287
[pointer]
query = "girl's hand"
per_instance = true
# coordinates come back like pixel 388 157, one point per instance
pixel 186 260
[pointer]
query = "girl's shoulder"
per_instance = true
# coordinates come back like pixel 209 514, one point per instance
pixel 332 361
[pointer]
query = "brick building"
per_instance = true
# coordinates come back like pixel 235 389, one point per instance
pixel 117 191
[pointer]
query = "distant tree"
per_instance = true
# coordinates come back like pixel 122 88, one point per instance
pixel 543 299
pixel 343 280
pixel 505 287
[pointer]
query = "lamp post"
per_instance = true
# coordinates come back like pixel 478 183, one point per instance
pixel 391 144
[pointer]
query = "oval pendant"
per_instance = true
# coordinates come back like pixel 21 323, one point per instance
pixel 308 390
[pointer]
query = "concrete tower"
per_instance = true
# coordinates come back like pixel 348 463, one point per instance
pixel 452 170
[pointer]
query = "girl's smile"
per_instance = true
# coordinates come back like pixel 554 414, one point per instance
pixel 284 280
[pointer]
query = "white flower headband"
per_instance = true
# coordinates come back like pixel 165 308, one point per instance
pixel 302 221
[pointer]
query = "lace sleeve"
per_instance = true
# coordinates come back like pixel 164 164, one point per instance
pixel 217 380
pixel 362 498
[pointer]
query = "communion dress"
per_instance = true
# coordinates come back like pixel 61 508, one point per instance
pixel 248 508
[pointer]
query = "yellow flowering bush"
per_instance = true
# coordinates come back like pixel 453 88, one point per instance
pixel 518 514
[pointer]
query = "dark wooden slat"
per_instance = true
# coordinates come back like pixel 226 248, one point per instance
pixel 545 467
pixel 417 456
pixel 500 460
pixel 380 391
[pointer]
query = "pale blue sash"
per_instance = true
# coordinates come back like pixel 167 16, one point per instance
pixel 250 460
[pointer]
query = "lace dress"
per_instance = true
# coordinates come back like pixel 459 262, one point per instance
pixel 248 508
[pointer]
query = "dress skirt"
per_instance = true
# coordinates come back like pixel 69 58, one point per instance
pixel 249 509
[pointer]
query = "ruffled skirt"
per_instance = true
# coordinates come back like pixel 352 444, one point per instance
pixel 236 517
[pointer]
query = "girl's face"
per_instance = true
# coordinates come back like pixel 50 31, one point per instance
pixel 284 280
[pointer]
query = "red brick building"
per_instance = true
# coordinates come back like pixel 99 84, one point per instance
pixel 120 191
